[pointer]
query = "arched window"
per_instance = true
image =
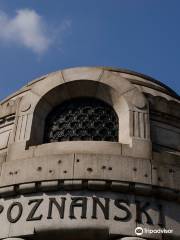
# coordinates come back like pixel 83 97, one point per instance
pixel 82 119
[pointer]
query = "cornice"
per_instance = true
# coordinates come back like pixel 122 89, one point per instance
pixel 91 185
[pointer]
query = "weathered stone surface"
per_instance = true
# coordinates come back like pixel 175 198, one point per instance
pixel 107 188
pixel 114 213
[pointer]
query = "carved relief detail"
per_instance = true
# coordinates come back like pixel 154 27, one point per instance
pixel 140 124
pixel 22 127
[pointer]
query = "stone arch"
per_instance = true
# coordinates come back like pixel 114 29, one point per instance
pixel 70 90
pixel 127 100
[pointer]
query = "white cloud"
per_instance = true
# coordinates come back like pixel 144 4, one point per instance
pixel 26 28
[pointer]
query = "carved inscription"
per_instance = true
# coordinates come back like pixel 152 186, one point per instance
pixel 19 207
pixel 31 216
pixel 118 210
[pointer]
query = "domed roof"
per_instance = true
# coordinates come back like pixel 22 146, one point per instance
pixel 136 78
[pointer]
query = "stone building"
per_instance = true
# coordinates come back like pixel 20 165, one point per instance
pixel 90 154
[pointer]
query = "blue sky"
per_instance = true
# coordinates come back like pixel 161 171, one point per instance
pixel 38 37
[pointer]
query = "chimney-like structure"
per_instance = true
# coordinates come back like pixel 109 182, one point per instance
pixel 90 153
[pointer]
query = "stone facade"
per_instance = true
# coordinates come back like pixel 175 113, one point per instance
pixel 91 189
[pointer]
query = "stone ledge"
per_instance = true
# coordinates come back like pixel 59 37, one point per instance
pixel 48 185
pixel 97 185
pixel 72 184
pixel 143 189
pixel 27 188
pixel 8 191
pixel 120 186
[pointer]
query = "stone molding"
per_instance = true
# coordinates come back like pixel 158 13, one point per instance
pixel 132 238
pixel 14 239
pixel 135 77
pixel 94 185
pixel 7 120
